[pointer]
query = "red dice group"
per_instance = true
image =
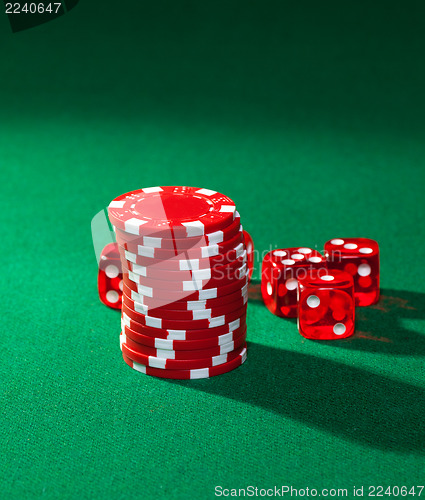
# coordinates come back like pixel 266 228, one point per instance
pixel 322 291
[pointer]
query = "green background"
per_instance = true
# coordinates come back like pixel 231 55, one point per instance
pixel 310 115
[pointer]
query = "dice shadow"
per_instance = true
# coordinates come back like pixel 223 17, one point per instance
pixel 383 327
pixel 346 401
pixel 379 328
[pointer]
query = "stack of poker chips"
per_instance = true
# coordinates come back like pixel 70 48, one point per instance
pixel 185 281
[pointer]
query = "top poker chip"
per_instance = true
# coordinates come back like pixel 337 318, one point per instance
pixel 173 211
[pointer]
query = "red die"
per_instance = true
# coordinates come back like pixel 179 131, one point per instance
pixel 279 274
pixel 360 258
pixel 249 244
pixel 109 279
pixel 326 305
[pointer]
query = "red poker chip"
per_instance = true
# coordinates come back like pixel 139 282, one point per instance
pixel 173 295
pixel 166 339
pixel 187 349
pixel 249 244
pixel 185 315
pixel 183 355
pixel 166 324
pixel 190 253
pixel 171 364
pixel 191 283
pixel 153 272
pixel 131 242
pixel 188 374
pixel 177 211
pixel 182 263
pixel 185 305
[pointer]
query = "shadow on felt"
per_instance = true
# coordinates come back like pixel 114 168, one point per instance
pixel 351 402
pixel 382 327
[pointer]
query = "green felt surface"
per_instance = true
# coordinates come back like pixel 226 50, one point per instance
pixel 310 115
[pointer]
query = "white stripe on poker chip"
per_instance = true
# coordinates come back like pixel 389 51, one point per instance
pixel 155 189
pixel 192 286
pixel 241 271
pixel 137 297
pixel 150 241
pixel 210 251
pixel 209 293
pixel 116 204
pixel 240 249
pixel 176 335
pixel 165 354
pixel 140 270
pixel 219 360
pixel 202 274
pixel 196 305
pixel 145 290
pixel 215 238
pixel 140 308
pixel 123 340
pixel 337 241
pixel 157 362
pixel 234 325
pixel 189 265
pixel 126 319
pixel 138 367
pixel 132 226
pixel 145 251
pixel 229 347
pixel 206 192
pixel 130 256
pixel 218 321
pixel 225 339
pixel 194 228
pixel 228 209
pixel 153 322
pixel 201 373
pixel 164 344
pixel 133 277
pixel 202 314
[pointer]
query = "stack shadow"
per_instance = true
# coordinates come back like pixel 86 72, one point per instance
pixel 351 402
